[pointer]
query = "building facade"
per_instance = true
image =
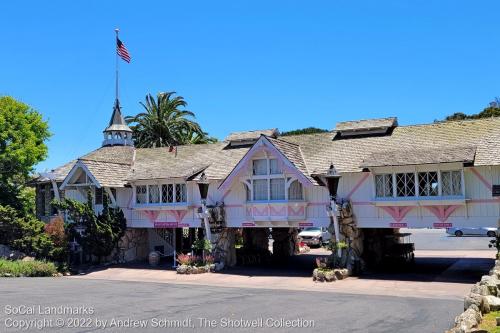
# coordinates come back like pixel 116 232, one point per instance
pixel 435 175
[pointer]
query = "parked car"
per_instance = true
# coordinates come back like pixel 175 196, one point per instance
pixel 473 231
pixel 314 236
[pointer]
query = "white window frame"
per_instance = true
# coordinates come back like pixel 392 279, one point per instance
pixel 160 188
pixel 268 177
pixel 417 193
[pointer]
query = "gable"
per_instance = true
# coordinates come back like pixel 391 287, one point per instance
pixel 265 146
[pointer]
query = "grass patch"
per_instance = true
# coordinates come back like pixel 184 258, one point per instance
pixel 18 268
pixel 489 322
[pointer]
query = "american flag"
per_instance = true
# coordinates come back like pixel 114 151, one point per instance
pixel 122 50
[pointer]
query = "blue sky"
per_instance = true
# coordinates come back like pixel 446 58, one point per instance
pixel 245 65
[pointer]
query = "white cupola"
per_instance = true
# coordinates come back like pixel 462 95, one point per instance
pixel 117 133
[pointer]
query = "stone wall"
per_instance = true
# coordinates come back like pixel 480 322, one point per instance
pixel 483 297
pixel 133 246
pixel 224 246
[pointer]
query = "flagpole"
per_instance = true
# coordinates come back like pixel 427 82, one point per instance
pixel 116 83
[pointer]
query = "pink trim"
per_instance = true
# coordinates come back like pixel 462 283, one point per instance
pixel 494 200
pixel 362 203
pixel 267 146
pixel 260 212
pixel 225 195
pixel 442 212
pixel 481 178
pixel 398 225
pixel 248 224
pixel 277 212
pixel 177 214
pixel 299 212
pixel 358 185
pixel 233 206
pixel 152 215
pixel 398 213
pixel 306 224
pixel 312 204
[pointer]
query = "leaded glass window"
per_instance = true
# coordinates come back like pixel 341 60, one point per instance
pixel 141 194
pixel 451 183
pixel 154 194
pixel 405 184
pixel 383 185
pixel 180 192
pixel 428 185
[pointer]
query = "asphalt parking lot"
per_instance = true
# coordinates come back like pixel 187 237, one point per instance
pixel 421 298
pixel 126 302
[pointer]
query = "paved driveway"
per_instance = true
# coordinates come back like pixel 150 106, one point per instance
pixel 123 302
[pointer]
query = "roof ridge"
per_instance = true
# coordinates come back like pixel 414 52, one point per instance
pixel 101 161
pixel 446 122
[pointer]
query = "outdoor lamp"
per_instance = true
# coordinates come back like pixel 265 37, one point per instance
pixel 332 182
pixel 203 186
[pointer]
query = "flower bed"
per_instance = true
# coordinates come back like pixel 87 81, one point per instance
pixel 191 264
pixel 17 268
pixel 326 273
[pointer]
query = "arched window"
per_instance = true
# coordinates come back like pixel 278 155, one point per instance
pixel 295 191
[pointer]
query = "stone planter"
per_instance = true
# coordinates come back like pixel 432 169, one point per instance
pixel 482 298
pixel 329 275
pixel 187 269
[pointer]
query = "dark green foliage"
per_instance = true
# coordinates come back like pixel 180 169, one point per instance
pixel 307 130
pixel 493 110
pixel 97 234
pixel 25 234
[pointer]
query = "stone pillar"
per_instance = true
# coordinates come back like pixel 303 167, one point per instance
pixel 224 249
pixel 133 246
pixel 285 242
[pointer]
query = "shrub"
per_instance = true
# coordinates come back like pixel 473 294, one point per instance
pixel 202 244
pixel 209 259
pixel 26 268
pixel 184 259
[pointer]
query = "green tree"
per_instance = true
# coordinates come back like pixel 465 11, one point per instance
pixel 193 138
pixel 493 110
pixel 23 133
pixel 165 122
pixel 307 130
pixel 97 234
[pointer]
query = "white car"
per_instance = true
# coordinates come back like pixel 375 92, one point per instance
pixel 314 236
pixel 476 231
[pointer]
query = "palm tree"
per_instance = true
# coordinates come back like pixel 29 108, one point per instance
pixel 164 123
pixel 195 138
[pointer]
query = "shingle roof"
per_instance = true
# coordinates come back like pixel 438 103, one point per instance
pixel 420 156
pixel 251 135
pixel 366 124
pixel 60 172
pixel 347 155
pixel 310 153
pixel 159 163
pixel 293 153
